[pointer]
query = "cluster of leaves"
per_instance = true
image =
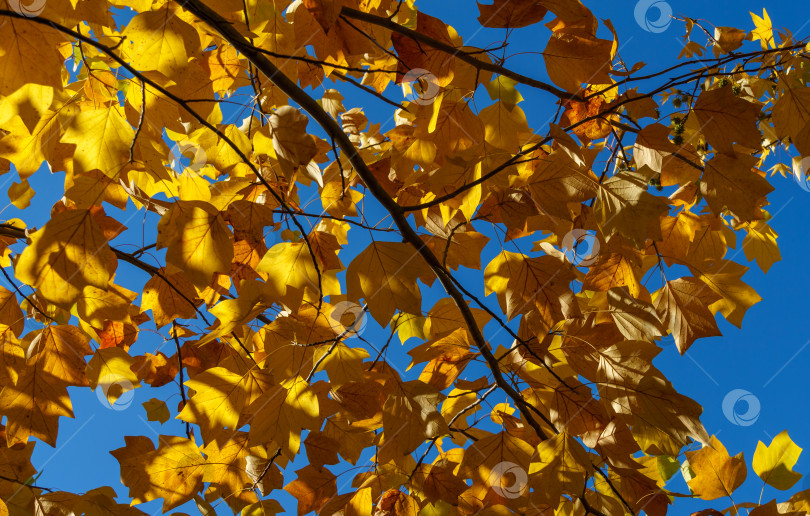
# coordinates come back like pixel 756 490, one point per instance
pixel 249 285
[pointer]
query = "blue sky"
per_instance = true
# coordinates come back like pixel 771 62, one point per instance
pixel 768 358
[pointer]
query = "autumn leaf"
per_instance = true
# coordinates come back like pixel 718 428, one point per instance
pixel 511 13
pixel 774 463
pixel 562 466
pixel 385 276
pixel 197 241
pixel 624 206
pixel 66 255
pixel 110 369
pixel 726 119
pixel 220 396
pixel 716 473
pixel 683 305
pixel 313 488
pixel 172 471
pixel 169 297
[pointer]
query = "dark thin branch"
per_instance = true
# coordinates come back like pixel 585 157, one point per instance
pixel 382 350
pixel 266 469
pixel 32 486
pixel 140 123
pixel 372 91
pixel 456 52
pixel 339 219
pixel 335 342
pixel 33 305
pixel 180 372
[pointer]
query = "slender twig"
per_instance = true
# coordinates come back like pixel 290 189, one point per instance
pixel 140 123
pixel 33 305
pixel 456 52
pixel 266 469
pixel 32 486
pixel 180 372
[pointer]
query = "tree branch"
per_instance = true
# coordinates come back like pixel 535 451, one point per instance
pixel 457 53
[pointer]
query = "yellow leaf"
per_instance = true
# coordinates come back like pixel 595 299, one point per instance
pixel 562 465
pixel 729 182
pixel 774 463
pixel 197 240
pixel 634 318
pixel 727 39
pixel 281 412
pixel 313 488
pixel 407 326
pixel 505 127
pixel 716 473
pixel 760 244
pixel 10 314
pixel 396 503
pixel 791 117
pixel 33 404
pixel 160 40
pixel 558 181
pixel 59 352
pixel 30 103
pixel 97 306
pixel 342 363
pixel 292 276
pixel 103 138
pixel 625 207
pixel 725 278
pixel 575 57
pixel 763 31
pixel 262 508
pixel 173 471
pixel 156 410
pixel 20 194
pixel 220 397
pixel 526 284
pixel 66 255
pixel 682 304
pixel 385 275
pixel 725 119
pixel 110 369
pixel 169 297
pixel 503 88
pixel 29 54
pixel 293 146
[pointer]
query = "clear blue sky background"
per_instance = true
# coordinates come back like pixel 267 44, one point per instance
pixel 769 357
